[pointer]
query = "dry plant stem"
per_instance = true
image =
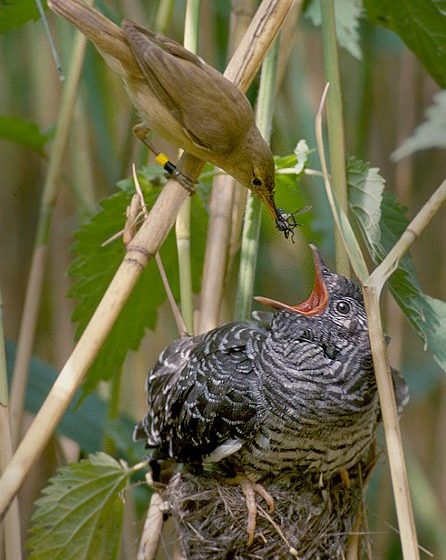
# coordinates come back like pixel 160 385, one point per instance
pixel 145 244
pixel 287 40
pixel 10 540
pixel 214 268
pixel 182 330
pixel 263 29
pixel 39 258
pixel 408 535
pixel 152 527
pixel 11 522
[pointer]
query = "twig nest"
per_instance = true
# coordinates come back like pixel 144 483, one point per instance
pixel 312 518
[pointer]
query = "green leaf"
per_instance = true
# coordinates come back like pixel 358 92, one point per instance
pixel 14 13
pixel 22 132
pixel 421 24
pixel 348 14
pixel 426 315
pixel 80 514
pixel 429 134
pixel 295 163
pixel 94 267
pixel 366 191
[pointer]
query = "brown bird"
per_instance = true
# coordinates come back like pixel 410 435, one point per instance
pixel 184 100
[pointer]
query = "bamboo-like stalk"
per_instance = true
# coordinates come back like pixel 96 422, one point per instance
pixel 164 15
pixel 182 225
pixel 215 260
pixel 335 125
pixel 10 539
pixel 146 243
pixel 40 252
pixel 251 226
pixel 152 526
pixel 224 192
pixel 392 431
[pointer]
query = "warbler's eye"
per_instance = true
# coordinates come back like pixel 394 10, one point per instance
pixel 343 307
pixel 257 182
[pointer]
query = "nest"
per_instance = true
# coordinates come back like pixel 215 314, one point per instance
pixel 312 519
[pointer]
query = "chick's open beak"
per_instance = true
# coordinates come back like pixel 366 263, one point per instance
pixel 316 303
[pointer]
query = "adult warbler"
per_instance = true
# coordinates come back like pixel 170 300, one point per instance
pixel 184 100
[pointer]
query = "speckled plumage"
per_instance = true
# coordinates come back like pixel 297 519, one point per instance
pixel 269 396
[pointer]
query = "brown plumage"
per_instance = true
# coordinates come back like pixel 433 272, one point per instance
pixel 185 100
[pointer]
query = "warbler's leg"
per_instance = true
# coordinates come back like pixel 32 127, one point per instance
pixel 140 130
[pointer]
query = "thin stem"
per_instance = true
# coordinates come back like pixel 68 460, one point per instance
pixel 152 527
pixel 182 226
pixel 218 236
pixel 395 453
pixel 39 258
pixel 248 259
pixel 253 213
pixel 164 15
pixel 10 535
pixel 335 124
pixel 341 221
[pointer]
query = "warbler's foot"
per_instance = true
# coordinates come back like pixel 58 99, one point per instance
pixel 186 182
pixel 140 130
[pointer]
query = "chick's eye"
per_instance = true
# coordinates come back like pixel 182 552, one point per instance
pixel 343 307
pixel 257 182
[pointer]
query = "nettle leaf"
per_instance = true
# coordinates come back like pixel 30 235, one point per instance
pixel 14 13
pixel 94 267
pixel 429 134
pixel 348 15
pixel 421 24
pixel 79 516
pixel 426 315
pixel 366 190
pixel 23 132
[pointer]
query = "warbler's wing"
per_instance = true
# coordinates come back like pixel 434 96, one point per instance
pixel 202 394
pixel 213 113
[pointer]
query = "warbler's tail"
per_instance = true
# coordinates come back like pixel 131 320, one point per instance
pixel 106 36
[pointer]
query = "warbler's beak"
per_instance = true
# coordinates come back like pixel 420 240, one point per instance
pixel 268 201
pixel 316 303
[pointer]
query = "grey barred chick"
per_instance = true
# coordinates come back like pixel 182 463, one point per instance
pixel 298 391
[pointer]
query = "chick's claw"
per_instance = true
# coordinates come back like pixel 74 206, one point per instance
pixel 249 489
